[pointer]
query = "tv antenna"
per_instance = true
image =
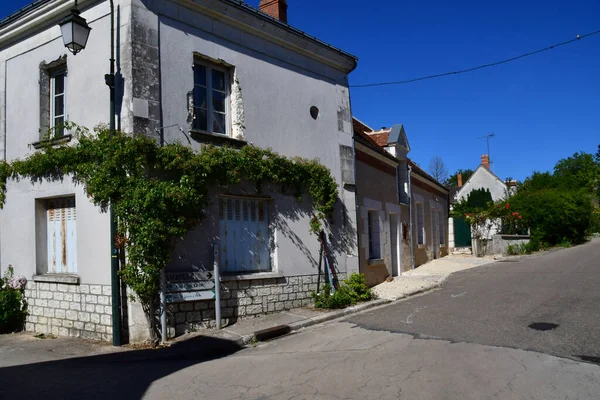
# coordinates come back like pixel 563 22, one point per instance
pixel 487 139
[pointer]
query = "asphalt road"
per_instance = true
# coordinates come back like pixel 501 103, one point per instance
pixel 469 340
pixel 496 304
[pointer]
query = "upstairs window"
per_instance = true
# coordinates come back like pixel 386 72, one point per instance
pixel 53 101
pixel 211 99
pixel 57 103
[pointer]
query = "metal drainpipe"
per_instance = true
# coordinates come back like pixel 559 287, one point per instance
pixel 410 211
pixel 115 282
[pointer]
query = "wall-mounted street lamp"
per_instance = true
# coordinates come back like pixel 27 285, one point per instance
pixel 75 31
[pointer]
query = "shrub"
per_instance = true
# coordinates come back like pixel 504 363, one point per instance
pixel 555 216
pixel 514 249
pixel 358 287
pixel 13 307
pixel 352 290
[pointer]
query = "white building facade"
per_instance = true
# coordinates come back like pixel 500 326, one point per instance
pixel 200 72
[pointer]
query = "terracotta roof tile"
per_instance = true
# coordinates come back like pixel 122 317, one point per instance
pixel 360 127
pixel 380 138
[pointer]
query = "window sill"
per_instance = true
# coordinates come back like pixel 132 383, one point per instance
pixel 216 139
pixel 376 261
pixel 52 142
pixel 57 278
pixel 251 277
pixel 420 246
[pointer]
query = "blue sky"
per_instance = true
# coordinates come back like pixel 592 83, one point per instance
pixel 541 108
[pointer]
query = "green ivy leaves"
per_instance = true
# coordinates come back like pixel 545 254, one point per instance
pixel 160 193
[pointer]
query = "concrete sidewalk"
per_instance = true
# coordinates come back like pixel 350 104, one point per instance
pixel 262 328
pixel 270 326
pixel 427 276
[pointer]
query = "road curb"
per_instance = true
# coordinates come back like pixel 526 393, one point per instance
pixel 281 330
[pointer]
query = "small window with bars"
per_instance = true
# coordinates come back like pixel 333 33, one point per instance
pixel 211 99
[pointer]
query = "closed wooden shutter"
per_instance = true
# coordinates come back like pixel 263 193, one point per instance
pixel 62 244
pixel 244 232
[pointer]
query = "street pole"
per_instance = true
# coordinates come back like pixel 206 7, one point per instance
pixel 114 264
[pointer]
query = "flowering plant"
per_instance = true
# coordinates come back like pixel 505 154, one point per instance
pixel 13 307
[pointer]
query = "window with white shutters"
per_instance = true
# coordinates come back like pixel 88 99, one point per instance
pixel 244 232
pixel 62 235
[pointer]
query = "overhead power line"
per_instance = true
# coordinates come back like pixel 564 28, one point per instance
pixel 462 71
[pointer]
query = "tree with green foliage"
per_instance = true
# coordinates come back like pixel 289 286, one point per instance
pixel 555 216
pixel 558 206
pixel 452 181
pixel 159 193
pixel 476 201
pixel 578 172
pixel 537 181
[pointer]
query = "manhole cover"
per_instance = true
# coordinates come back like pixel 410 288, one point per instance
pixel 543 326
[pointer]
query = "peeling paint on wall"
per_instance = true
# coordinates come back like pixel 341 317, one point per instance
pixel 190 107
pixel 238 116
pixel 344 112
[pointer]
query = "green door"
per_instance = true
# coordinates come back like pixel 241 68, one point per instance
pixel 462 233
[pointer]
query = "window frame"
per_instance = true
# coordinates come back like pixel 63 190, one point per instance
pixel 52 120
pixel 374 255
pixel 442 227
pixel 209 97
pixel 64 204
pixel 421 241
pixel 402 182
pixel 250 210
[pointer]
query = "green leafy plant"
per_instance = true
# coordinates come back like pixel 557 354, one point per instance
pixel 351 291
pixel 159 193
pixel 555 215
pixel 13 307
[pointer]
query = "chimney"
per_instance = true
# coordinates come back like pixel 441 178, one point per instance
pixel 459 177
pixel 275 8
pixel 485 161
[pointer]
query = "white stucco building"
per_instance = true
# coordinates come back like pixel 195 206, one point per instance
pixel 482 178
pixel 198 71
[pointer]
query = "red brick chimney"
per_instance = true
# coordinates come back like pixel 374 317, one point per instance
pixel 459 177
pixel 485 161
pixel 275 8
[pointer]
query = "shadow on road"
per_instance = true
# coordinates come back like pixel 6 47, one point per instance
pixel 123 375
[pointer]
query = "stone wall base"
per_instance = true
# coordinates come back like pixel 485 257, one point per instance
pixel 243 299
pixel 69 310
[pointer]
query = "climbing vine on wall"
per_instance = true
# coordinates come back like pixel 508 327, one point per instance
pixel 160 193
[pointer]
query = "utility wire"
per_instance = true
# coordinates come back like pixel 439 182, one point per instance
pixel 462 71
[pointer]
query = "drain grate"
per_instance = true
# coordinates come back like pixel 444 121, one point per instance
pixel 543 326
